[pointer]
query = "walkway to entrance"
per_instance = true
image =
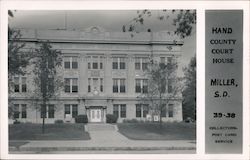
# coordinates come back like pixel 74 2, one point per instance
pixel 103 134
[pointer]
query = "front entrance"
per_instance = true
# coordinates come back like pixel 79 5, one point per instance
pixel 95 115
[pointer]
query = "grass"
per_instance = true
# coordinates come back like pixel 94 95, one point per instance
pixel 153 131
pixel 52 132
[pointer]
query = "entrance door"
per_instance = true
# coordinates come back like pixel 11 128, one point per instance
pixel 95 115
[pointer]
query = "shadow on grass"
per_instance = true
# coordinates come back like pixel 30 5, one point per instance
pixel 153 131
pixel 17 144
pixel 52 132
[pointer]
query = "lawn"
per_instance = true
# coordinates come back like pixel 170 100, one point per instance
pixel 153 131
pixel 52 132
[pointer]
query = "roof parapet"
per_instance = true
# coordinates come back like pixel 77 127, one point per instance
pixel 99 35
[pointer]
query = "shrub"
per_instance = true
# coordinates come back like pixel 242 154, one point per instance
pixel 131 121
pixel 58 121
pixel 189 120
pixel 110 118
pixel 81 119
pixel 16 122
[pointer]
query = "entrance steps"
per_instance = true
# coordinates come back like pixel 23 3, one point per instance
pixel 100 127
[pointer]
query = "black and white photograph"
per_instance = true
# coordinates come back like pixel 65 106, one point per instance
pixel 102 81
pixel 124 80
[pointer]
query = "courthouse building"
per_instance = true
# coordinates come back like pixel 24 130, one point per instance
pixel 103 73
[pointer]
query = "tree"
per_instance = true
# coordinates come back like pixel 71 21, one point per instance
pixel 46 79
pixel 162 86
pixel 184 20
pixel 18 58
pixel 189 92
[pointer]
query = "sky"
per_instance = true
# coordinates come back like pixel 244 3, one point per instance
pixel 110 20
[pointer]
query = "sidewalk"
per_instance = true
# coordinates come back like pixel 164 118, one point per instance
pixel 105 137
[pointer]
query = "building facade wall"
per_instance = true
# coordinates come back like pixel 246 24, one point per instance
pixel 96 45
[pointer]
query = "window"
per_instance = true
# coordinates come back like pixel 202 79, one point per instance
pixel 170 86
pixel 138 86
pixel 71 109
pixel 144 64
pixel 71 85
pixel 66 109
pixel 162 60
pixel 144 86
pixel 74 85
pixel 101 85
pixel 101 65
pixel 74 110
pixel 24 87
pixel 95 65
pixel 89 85
pixel 74 63
pixel 67 85
pixel 95 62
pixel 89 65
pixel 137 63
pixel 43 111
pixel 96 84
pixel 119 85
pixel 145 110
pixel 16 84
pixel 141 85
pixel 115 85
pixel 163 110
pixel 123 110
pixel 51 109
pixel 170 110
pixel 24 111
pixel 16 111
pixel 122 63
pixel 102 58
pixel 120 107
pixel 138 110
pixel 141 110
pixel 169 60
pixel 122 86
pixel 48 111
pixel 115 63
pixel 116 110
pixel 20 87
pixel 141 63
pixel 95 81
pixel 67 62
pixel 70 62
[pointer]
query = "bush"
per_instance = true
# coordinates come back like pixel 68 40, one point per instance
pixel 189 120
pixel 132 121
pixel 81 119
pixel 110 118
pixel 16 122
pixel 58 121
